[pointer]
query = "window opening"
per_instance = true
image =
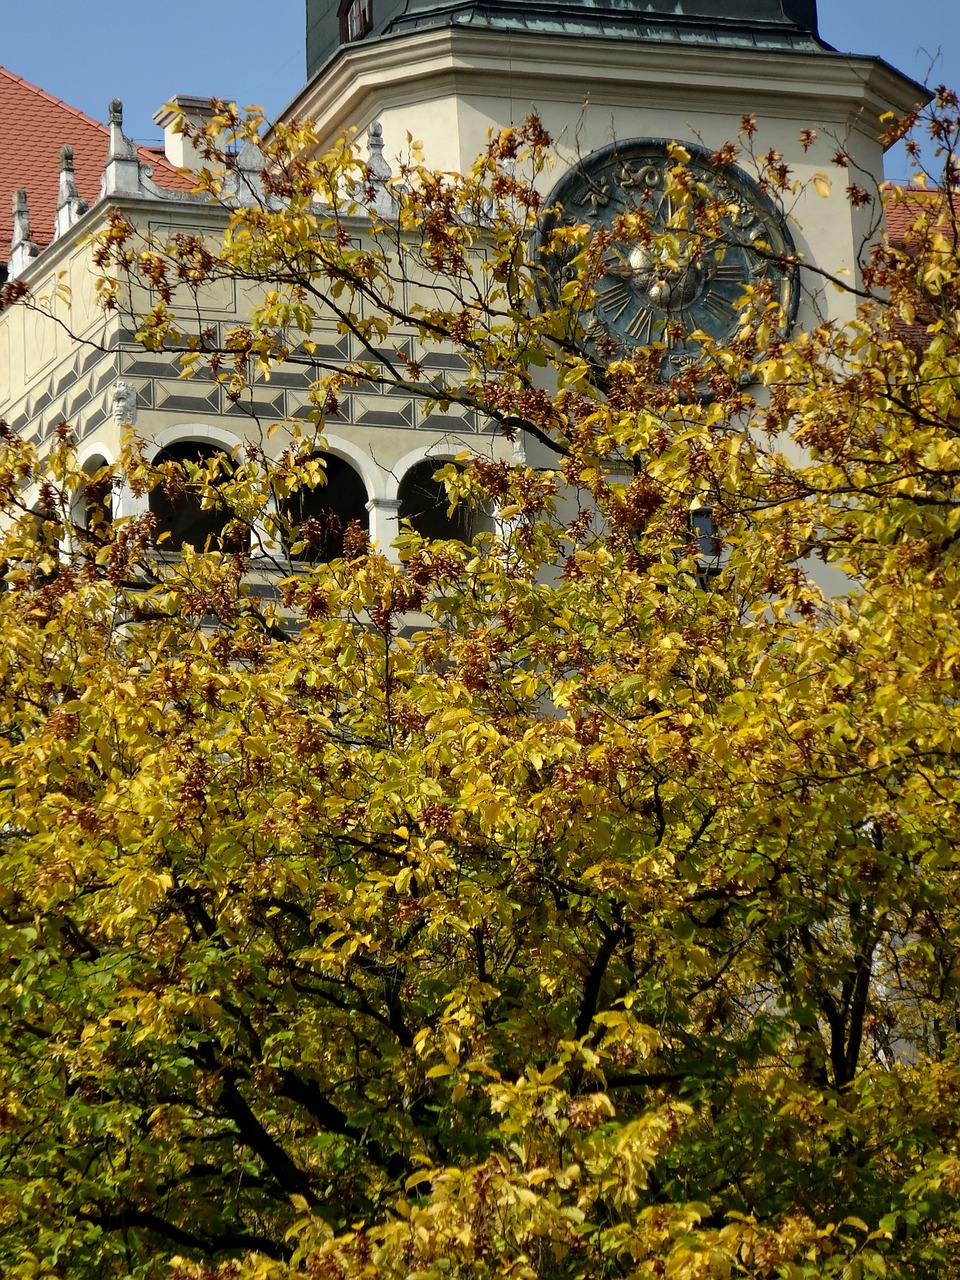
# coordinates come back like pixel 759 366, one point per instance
pixel 356 19
pixel 321 516
pixel 97 500
pixel 179 509
pixel 704 533
pixel 424 503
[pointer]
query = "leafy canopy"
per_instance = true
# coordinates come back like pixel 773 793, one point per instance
pixel 579 903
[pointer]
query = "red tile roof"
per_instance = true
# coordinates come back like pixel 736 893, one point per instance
pixel 898 213
pixel 904 203
pixel 912 215
pixel 33 127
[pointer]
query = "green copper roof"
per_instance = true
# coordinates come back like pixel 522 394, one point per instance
pixel 767 22
pixel 757 24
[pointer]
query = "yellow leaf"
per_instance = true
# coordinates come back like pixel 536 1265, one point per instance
pixel 441 1069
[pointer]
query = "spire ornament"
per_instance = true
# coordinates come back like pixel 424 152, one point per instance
pixel 121 175
pixel 244 183
pixel 70 208
pixel 22 248
pixel 379 174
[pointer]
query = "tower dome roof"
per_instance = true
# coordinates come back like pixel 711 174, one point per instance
pixel 764 24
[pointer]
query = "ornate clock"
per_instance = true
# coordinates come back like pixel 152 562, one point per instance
pixel 670 273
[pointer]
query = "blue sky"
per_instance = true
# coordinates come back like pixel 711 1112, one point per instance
pixel 89 51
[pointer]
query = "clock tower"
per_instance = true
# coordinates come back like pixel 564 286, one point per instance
pixel 606 74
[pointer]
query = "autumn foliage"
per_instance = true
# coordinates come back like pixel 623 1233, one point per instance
pixel 582 903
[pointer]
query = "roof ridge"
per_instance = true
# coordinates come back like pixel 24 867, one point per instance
pixel 35 88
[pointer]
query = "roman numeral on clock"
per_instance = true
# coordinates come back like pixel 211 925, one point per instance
pixel 730 271
pixel 619 296
pixel 666 209
pixel 718 307
pixel 640 328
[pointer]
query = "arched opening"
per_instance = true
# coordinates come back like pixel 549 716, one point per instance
pixel 97 511
pixel 424 503
pixel 319 517
pixel 179 509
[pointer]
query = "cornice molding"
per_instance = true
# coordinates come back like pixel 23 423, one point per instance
pixel 366 78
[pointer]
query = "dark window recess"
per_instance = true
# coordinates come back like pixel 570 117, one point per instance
pixel 46 529
pixel 179 511
pixel 424 503
pixel 356 19
pixel 321 516
pixel 98 501
pixel 704 533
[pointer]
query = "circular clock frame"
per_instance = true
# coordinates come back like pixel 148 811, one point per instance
pixel 654 294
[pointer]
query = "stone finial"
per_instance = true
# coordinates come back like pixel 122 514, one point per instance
pixel 121 148
pixel 22 249
pixel 70 208
pixel 245 183
pixel 379 173
pixel 21 217
pixel 377 163
pixel 121 175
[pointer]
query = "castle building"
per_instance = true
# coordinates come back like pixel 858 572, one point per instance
pixel 615 82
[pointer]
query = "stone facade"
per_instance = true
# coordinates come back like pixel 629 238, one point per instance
pixel 447 74
pixel 63 359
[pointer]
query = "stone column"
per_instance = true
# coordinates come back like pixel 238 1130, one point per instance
pixel 385 525
pixel 128 504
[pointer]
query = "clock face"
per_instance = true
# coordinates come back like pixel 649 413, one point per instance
pixel 676 267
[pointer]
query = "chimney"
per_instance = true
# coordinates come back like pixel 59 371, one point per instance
pixel 180 151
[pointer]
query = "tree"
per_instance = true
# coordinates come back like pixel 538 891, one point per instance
pixel 543 907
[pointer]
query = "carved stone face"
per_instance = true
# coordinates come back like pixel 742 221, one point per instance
pixel 123 403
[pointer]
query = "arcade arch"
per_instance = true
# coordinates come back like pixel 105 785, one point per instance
pixel 422 501
pixel 179 512
pixel 320 515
